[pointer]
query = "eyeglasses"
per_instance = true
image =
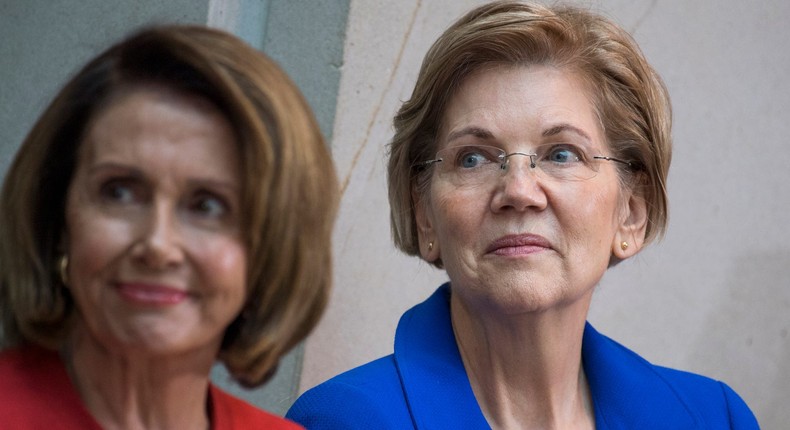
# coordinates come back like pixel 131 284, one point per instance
pixel 482 164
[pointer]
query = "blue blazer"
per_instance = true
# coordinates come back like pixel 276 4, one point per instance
pixel 423 385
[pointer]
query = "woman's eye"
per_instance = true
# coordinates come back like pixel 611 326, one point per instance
pixel 209 206
pixel 469 158
pixel 563 154
pixel 117 191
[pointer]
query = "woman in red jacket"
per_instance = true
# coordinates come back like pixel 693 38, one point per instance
pixel 172 207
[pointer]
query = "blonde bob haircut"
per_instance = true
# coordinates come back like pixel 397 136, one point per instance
pixel 631 101
pixel 289 191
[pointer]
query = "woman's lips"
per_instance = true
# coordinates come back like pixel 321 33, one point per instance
pixel 518 244
pixel 151 294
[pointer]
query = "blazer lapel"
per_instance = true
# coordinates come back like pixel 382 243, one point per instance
pixel 627 391
pixel 434 380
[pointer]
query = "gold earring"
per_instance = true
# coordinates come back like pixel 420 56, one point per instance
pixel 63 269
pixel 430 246
pixel 624 245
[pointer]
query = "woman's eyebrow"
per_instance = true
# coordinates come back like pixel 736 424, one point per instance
pixel 478 132
pixel 561 128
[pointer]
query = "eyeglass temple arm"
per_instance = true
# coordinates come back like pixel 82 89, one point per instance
pixel 602 157
pixel 427 163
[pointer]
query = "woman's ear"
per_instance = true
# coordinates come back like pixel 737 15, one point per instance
pixel 427 241
pixel 630 235
pixel 62 255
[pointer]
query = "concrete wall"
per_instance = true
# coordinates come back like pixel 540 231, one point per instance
pixel 43 42
pixel 713 297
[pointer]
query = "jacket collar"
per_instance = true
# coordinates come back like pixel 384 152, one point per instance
pixel 434 380
pixel 627 392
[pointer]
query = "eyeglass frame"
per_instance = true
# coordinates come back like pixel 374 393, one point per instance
pixel 532 163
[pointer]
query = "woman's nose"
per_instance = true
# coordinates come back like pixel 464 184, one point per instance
pixel 520 187
pixel 159 244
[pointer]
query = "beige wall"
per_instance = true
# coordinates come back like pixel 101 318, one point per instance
pixel 713 297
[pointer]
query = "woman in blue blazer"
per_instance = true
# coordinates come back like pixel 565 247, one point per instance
pixel 531 157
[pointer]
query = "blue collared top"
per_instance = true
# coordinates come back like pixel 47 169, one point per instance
pixel 424 385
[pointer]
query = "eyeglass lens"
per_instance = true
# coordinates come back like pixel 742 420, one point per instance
pixel 478 164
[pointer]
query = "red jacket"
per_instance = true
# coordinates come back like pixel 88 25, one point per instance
pixel 36 394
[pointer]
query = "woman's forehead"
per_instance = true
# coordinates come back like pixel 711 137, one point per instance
pixel 509 101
